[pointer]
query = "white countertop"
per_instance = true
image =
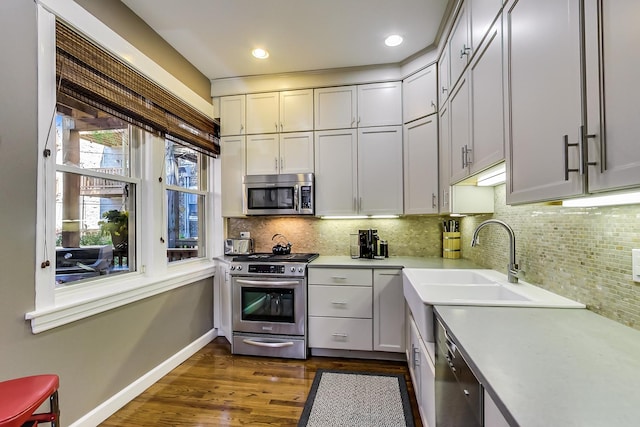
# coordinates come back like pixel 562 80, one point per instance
pixel 551 367
pixel 328 261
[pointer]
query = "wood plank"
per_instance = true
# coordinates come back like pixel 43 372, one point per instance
pixel 216 388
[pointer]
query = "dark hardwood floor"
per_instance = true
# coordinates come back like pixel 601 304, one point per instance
pixel 216 388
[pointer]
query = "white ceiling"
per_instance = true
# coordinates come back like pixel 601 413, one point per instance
pixel 217 36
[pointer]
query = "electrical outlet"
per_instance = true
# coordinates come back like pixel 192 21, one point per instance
pixel 635 264
pixel 245 235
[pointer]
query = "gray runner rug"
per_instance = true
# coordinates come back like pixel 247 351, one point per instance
pixel 363 399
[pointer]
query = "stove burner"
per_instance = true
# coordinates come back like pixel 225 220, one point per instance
pixel 268 257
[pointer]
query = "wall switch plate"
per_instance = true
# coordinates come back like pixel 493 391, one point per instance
pixel 245 235
pixel 635 264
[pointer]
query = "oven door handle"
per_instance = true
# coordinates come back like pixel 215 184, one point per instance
pixel 266 283
pixel 268 344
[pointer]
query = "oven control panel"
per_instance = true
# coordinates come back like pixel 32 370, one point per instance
pixel 268 269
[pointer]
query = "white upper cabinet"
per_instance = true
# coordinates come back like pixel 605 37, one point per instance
pixel 421 166
pixel 336 107
pixel 613 151
pixel 336 172
pixel 380 171
pixel 288 111
pixel 419 94
pixel 232 115
pixel 380 104
pixel 487 112
pixel 232 155
pixel 296 110
pixel 482 13
pixel 542 68
pixel 444 156
pixel 459 45
pixel 263 113
pixel 459 131
pixel 280 153
pixel 443 77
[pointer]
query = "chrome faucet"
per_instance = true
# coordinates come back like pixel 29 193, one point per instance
pixel 512 268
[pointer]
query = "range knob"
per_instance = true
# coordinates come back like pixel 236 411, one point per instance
pixel 239 267
pixel 233 267
pixel 300 269
pixel 293 269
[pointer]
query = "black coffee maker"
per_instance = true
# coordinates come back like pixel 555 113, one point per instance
pixel 368 243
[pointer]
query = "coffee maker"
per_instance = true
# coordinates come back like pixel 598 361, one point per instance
pixel 368 243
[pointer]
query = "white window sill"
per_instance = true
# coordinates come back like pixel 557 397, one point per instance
pixel 81 301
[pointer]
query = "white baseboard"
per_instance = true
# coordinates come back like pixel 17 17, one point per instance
pixel 117 401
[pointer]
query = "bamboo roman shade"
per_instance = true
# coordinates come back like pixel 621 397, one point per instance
pixel 89 74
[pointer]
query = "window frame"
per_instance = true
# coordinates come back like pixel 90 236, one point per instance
pixel 154 275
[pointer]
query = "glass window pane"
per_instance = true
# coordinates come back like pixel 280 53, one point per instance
pixel 94 227
pixel 185 212
pixel 95 143
pixel 182 166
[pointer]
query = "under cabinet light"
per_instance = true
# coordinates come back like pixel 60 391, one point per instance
pixel 606 200
pixel 493 176
pixel 360 217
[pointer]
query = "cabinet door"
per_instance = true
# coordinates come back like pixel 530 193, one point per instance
pixel 444 156
pixel 443 78
pixel 335 107
pixel 544 99
pixel 460 131
pixel 232 156
pixel 380 104
pixel 232 115
pixel 421 166
pixel 296 110
pixel 380 171
pixel 263 154
pixel 482 14
pixel 336 157
pixel 263 113
pixel 427 401
pixel 419 94
pixel 487 128
pixel 296 152
pixel 225 301
pixel 459 45
pixel 388 311
pixel 614 111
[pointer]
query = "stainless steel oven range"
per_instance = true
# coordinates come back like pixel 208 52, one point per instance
pixel 269 304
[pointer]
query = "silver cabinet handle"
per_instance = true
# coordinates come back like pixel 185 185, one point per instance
pixel 433 104
pixel 566 158
pixel 338 303
pixel 340 335
pixel 276 160
pixel 464 51
pixel 390 274
pixel 353 121
pixel 463 157
pixel 281 162
pixel 241 128
pixel 433 200
pixel 584 136
pixel 276 125
pixel 338 278
pixel 268 344
pixel 444 89
pixel 416 358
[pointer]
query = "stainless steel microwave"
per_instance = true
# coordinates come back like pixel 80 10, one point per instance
pixel 284 194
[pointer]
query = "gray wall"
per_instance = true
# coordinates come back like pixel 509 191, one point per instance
pixel 98 356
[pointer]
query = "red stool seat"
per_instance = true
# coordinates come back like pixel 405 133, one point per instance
pixel 21 397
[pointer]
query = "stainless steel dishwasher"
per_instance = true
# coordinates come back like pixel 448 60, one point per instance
pixel 458 392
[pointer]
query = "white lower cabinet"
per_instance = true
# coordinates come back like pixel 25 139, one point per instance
pixel 492 415
pixel 423 373
pixel 356 309
pixel 233 154
pixel 224 282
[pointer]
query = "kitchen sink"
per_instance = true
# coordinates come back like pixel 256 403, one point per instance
pixel 423 288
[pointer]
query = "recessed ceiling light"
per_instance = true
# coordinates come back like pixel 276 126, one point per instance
pixel 393 40
pixel 260 53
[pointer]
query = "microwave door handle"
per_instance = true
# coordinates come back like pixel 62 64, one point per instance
pixel 296 198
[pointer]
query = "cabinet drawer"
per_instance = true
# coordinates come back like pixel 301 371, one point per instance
pixel 340 333
pixel 340 301
pixel 341 276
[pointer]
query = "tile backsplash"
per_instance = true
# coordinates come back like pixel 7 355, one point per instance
pixel 580 253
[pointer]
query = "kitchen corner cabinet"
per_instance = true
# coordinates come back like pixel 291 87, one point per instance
pixel 380 104
pixel 280 153
pixel 477 114
pixel 232 155
pixel 421 166
pixel 232 115
pixel 482 14
pixel 420 94
pixel 335 107
pixel 273 112
pixel 388 311
pixel 359 171
pixel 443 78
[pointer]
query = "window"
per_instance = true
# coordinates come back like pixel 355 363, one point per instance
pixel 95 196
pixel 184 172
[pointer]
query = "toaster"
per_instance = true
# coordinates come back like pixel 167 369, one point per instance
pixel 238 246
